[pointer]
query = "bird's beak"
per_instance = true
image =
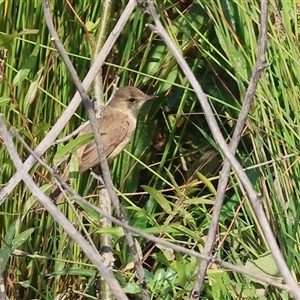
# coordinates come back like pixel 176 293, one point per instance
pixel 149 97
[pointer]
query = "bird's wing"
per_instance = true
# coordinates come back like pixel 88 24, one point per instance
pixel 115 130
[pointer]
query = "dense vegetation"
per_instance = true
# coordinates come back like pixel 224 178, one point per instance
pixel 167 177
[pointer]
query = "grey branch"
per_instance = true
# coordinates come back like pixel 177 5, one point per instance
pixel 65 117
pixel 99 144
pixel 59 217
pixel 160 241
pixel 213 125
pixel 225 172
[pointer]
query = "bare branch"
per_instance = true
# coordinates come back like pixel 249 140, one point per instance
pixel 103 213
pixel 225 172
pixel 115 88
pixel 99 145
pixel 59 217
pixel 213 125
pixel 65 117
pixel 72 134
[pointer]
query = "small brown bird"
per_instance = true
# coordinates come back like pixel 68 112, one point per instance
pixel 117 125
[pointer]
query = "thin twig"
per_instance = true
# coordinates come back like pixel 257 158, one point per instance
pixel 255 199
pixel 99 145
pixel 59 217
pixel 72 107
pixel 14 132
pixel 72 134
pixel 115 88
pixel 242 270
pixel 225 172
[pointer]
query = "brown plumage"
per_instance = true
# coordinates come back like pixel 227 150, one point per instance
pixel 116 125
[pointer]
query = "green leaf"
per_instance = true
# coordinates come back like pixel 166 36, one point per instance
pixel 25 283
pixel 21 238
pixel 167 253
pixel 7 39
pixel 31 201
pixel 4 100
pixel 132 288
pixel 170 79
pixel 180 269
pixel 187 232
pixel 160 257
pixel 138 144
pixel 74 271
pixel 65 151
pixel 158 54
pixel 112 230
pixel 207 183
pixel 90 212
pixel 91 26
pixel 173 181
pixel 236 57
pixel 6 248
pixel 28 66
pixel 159 275
pixel 41 129
pixel 264 265
pixel 31 93
pixel 160 199
pixel 24 71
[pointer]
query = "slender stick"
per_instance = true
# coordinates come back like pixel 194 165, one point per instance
pixel 210 259
pixel 90 252
pixel 72 107
pixel 99 145
pixel 255 199
pixel 225 172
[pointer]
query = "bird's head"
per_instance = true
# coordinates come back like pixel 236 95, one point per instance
pixel 129 100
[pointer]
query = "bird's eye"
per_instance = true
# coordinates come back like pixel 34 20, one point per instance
pixel 131 100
